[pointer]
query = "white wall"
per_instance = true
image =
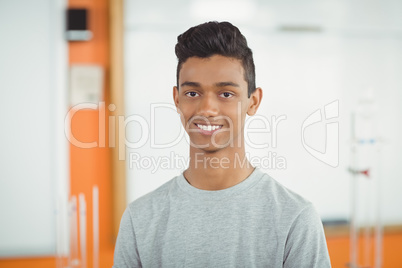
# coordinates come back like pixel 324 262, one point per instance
pixel 299 72
pixel 33 155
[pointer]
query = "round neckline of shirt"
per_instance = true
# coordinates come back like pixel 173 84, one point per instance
pixel 214 195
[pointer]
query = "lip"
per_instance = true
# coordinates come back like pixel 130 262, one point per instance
pixel 206 131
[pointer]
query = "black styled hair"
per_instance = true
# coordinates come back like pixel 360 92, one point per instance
pixel 216 38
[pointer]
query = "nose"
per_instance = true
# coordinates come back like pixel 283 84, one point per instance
pixel 208 106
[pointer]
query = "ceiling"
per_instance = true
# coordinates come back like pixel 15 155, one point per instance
pixel 373 16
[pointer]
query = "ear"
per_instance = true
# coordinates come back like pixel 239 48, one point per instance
pixel 255 100
pixel 176 96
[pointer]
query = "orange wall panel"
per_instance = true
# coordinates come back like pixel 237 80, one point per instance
pixel 91 167
pixel 29 262
pixel 338 248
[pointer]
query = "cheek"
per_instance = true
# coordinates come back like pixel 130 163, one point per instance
pixel 237 116
pixel 233 110
pixel 186 111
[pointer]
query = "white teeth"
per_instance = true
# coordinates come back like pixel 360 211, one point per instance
pixel 208 127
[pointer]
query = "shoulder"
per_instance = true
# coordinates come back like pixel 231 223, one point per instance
pixel 283 206
pixel 282 196
pixel 297 218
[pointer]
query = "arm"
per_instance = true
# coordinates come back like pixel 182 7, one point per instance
pixel 126 252
pixel 306 245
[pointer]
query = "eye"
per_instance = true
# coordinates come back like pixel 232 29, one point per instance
pixel 226 95
pixel 192 94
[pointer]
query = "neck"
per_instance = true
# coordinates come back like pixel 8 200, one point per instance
pixel 219 169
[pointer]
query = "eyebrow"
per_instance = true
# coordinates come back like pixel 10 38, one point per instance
pixel 190 84
pixel 225 84
pixel 219 84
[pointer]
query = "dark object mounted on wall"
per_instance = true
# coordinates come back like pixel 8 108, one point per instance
pixel 77 25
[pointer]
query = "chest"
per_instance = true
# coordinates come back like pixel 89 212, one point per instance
pixel 212 235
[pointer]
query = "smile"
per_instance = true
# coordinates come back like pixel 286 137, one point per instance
pixel 208 127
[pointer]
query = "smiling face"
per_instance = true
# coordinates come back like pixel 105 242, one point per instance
pixel 213 103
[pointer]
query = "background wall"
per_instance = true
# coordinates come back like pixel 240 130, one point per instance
pixel 307 55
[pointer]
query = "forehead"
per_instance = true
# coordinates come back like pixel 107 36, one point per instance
pixel 214 69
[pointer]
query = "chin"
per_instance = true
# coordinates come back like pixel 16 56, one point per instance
pixel 220 144
pixel 212 149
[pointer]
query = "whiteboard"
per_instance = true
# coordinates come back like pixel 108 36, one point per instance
pixel 33 155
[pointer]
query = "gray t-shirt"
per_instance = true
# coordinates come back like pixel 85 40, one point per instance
pixel 256 223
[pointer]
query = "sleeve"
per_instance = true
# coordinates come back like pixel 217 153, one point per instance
pixel 126 252
pixel 306 245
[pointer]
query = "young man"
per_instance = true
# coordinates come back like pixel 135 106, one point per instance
pixel 221 212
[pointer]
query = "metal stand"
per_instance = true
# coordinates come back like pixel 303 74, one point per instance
pixel 366 230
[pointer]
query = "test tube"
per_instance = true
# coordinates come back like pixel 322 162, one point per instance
pixel 83 229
